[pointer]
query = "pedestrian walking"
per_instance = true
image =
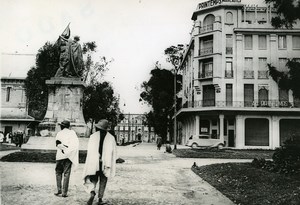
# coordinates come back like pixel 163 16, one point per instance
pixel 168 147
pixel 100 162
pixel 2 137
pixel 159 142
pixel 67 154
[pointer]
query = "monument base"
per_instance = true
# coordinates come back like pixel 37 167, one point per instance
pixel 64 103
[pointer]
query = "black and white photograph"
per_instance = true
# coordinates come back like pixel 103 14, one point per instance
pixel 150 102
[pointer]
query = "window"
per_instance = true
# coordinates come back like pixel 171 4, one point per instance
pixel 248 69
pixel 263 96
pixel 207 69
pixel 262 68
pixel 282 42
pixel 248 63
pixel 296 42
pixel 229 18
pixel 248 95
pixel 262 42
pixel 248 42
pixel 256 132
pixel 282 64
pixel 229 43
pixel 262 63
pixel 8 94
pixel 208 95
pixel 283 97
pixel 228 94
pixel 228 68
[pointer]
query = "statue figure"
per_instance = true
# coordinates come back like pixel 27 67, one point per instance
pixel 70 59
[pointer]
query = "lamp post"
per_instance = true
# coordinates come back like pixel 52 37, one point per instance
pixel 175 54
pixel 175 121
pixel 176 67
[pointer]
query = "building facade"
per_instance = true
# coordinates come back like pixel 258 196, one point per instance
pixel 14 113
pixel 132 128
pixel 227 90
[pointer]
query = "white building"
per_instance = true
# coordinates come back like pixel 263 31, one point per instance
pixel 14 113
pixel 227 91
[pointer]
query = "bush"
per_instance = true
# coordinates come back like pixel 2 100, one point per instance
pixel 287 157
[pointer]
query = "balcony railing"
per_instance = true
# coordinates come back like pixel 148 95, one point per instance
pixel 248 74
pixel 205 51
pixel 241 104
pixel 228 73
pixel 207 74
pixel 207 28
pixel 229 50
pixel 263 74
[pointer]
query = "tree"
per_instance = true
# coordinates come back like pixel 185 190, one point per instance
pixel 47 61
pixel 100 103
pixel 288 12
pixel 158 92
pixel 289 80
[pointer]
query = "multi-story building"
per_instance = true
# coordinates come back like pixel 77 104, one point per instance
pixel 14 113
pixel 132 128
pixel 227 90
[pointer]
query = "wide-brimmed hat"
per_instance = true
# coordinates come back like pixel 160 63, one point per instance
pixel 102 124
pixel 65 123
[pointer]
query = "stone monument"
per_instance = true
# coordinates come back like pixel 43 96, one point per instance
pixel 65 89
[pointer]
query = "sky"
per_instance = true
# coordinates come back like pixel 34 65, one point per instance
pixel 134 33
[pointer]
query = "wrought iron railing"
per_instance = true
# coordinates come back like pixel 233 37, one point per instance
pixel 228 73
pixel 229 50
pixel 248 74
pixel 207 28
pixel 205 51
pixel 241 104
pixel 263 74
pixel 207 74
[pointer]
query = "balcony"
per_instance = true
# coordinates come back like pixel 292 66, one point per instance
pixel 228 73
pixel 241 104
pixel 207 74
pixel 248 74
pixel 263 74
pixel 205 51
pixel 207 28
pixel 229 50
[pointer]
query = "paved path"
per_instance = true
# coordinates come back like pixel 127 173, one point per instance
pixel 148 176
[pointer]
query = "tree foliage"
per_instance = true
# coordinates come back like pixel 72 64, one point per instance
pixel 289 80
pixel 288 12
pixel 174 54
pixel 159 93
pixel 47 60
pixel 100 103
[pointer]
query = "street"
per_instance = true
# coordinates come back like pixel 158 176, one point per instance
pixel 148 176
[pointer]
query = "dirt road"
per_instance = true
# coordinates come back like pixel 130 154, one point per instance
pixel 148 176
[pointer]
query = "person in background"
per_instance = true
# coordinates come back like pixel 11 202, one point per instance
pixel 8 137
pixel 168 147
pixel 67 155
pixel 100 162
pixel 159 142
pixel 1 137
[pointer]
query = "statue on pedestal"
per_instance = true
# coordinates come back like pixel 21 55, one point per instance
pixel 65 89
pixel 70 59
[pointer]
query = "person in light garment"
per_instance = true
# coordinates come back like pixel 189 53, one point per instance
pixel 67 155
pixel 100 162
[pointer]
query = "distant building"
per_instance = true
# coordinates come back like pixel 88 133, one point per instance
pixel 227 91
pixel 132 128
pixel 14 113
